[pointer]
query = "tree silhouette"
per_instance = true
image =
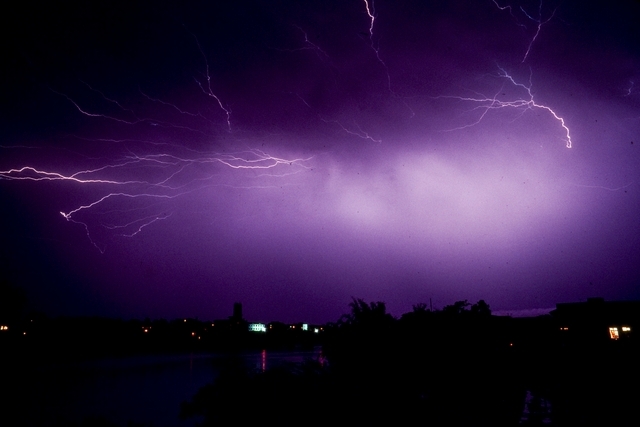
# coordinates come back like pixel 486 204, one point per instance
pixel 481 308
pixel 457 307
pixel 365 315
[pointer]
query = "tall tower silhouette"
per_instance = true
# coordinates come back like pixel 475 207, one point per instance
pixel 237 311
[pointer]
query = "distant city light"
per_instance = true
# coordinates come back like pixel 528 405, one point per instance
pixel 4 328
pixel 626 329
pixel 564 328
pixel 305 326
pixel 316 330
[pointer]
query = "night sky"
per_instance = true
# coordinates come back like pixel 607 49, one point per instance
pixel 166 160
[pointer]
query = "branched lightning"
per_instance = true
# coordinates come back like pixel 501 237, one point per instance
pixel 138 187
pixel 89 114
pixel 175 107
pixel 29 173
pixel 106 98
pixel 358 132
pixel 132 209
pixel 137 120
pixel 309 45
pixel 207 90
pixel 136 190
pixel 144 222
pixel 539 22
pixel 371 13
pixel 522 104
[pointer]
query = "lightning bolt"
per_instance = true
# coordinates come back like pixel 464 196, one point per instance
pixel 523 104
pixel 630 88
pixel 507 7
pixel 613 189
pixel 371 13
pixel 370 8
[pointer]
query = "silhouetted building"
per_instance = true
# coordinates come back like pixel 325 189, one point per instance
pixel 237 312
pixel 233 324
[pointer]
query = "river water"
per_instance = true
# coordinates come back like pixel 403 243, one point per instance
pixel 138 390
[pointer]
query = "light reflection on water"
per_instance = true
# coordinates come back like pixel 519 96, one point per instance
pixel 144 390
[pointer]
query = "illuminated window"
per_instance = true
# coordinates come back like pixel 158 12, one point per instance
pixel 305 327
pixel 626 329
pixel 257 327
pixel 4 328
pixel 316 330
pixel 564 328
pixel 613 333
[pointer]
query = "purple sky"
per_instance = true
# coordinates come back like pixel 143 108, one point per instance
pixel 165 160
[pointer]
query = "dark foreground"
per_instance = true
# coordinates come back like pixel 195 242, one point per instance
pixel 459 367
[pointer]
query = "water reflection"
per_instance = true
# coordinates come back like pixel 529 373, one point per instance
pixel 536 411
pixel 139 390
pixel 268 359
